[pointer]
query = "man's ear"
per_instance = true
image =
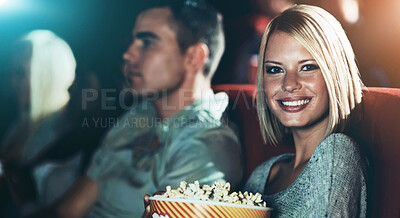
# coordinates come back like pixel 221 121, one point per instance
pixel 196 56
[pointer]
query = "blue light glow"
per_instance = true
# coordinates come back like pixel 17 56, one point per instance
pixel 2 2
pixel 11 6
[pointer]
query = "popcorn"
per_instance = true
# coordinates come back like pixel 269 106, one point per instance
pixel 218 192
pixel 155 215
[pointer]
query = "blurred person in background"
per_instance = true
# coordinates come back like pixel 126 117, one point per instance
pixel 43 70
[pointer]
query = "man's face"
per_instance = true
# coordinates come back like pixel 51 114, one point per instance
pixel 153 61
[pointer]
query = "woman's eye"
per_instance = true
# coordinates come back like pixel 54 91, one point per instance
pixel 273 70
pixel 309 67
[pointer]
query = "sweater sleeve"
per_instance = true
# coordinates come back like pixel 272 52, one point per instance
pixel 347 192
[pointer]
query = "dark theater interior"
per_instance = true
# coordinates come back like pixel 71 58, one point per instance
pixel 99 33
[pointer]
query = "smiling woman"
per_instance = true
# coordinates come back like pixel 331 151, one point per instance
pixel 295 89
pixel 308 85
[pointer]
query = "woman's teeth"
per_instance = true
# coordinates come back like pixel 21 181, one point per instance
pixel 295 103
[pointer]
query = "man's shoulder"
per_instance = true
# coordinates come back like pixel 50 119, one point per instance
pixel 204 139
pixel 202 126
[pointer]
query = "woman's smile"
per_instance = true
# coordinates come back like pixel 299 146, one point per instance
pixel 294 104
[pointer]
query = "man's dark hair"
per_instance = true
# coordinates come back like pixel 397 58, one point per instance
pixel 196 21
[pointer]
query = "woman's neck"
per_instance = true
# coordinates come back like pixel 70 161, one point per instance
pixel 306 141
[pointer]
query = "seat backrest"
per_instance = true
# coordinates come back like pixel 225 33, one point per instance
pixel 378 133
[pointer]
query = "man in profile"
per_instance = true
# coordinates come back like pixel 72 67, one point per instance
pixel 177 132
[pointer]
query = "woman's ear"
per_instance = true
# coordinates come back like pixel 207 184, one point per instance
pixel 195 57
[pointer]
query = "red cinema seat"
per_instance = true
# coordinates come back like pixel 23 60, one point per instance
pixel 378 133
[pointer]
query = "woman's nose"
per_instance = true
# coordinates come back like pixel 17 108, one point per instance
pixel 291 82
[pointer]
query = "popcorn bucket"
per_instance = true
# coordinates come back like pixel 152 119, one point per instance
pixel 169 207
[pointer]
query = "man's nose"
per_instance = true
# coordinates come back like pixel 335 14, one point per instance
pixel 291 82
pixel 132 54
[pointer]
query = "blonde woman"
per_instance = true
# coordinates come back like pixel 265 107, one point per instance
pixel 308 86
pixel 43 70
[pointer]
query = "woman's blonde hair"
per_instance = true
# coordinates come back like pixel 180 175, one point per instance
pixel 51 73
pixel 323 36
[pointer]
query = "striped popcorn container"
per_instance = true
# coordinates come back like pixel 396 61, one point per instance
pixel 169 207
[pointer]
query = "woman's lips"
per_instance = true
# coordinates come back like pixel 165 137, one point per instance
pixel 294 105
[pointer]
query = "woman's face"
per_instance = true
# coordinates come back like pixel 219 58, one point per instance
pixel 294 87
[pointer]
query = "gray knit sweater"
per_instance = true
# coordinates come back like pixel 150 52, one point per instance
pixel 331 185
